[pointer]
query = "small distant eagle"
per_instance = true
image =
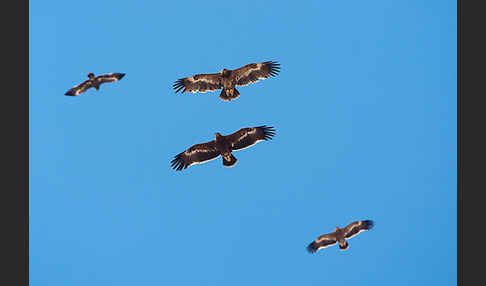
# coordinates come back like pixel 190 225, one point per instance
pixel 228 79
pixel 340 235
pixel 222 145
pixel 94 82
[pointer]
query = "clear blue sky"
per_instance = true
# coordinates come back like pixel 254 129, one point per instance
pixel 365 116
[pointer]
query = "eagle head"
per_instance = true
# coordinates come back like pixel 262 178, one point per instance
pixel 91 75
pixel 225 72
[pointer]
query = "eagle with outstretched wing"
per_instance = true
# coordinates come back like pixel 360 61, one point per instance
pixel 227 80
pixel 340 235
pixel 222 146
pixel 94 82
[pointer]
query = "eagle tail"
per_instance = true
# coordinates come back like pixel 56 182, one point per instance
pixel 231 162
pixel 229 94
pixel 343 246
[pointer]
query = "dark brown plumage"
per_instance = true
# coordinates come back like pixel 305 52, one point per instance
pixel 222 146
pixel 340 235
pixel 227 80
pixel 94 82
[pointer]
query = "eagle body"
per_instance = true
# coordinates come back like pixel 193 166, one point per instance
pixel 229 91
pixel 94 82
pixel 222 146
pixel 340 235
pixel 227 80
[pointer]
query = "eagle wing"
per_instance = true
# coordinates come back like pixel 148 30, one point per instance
pixel 247 137
pixel 199 82
pixel 322 241
pixel 356 227
pixel 197 154
pixel 111 77
pixel 80 88
pixel 251 73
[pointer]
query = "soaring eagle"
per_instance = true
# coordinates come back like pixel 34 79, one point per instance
pixel 340 235
pixel 94 82
pixel 222 145
pixel 227 79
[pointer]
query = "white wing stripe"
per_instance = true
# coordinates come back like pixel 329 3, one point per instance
pixel 195 163
pixel 325 246
pixel 356 233
pixel 250 145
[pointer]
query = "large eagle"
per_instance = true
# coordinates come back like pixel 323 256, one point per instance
pixel 94 82
pixel 227 79
pixel 340 235
pixel 222 145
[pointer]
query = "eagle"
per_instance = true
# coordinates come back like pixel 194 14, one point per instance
pixel 340 235
pixel 227 80
pixel 94 82
pixel 222 145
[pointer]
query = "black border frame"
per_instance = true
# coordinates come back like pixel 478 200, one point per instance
pixel 471 103
pixel 15 142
